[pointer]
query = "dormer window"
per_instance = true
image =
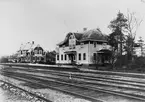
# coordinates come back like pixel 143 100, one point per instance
pixel 71 37
pixel 82 44
pixel 63 47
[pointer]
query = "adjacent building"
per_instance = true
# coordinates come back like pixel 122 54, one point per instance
pixel 38 54
pixel 139 50
pixel 30 52
pixel 86 47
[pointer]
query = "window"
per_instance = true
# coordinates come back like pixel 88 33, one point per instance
pixel 61 57
pixel 35 58
pixel 81 45
pixel 94 56
pixel 39 58
pixel 35 51
pixel 32 53
pixel 94 44
pixel 84 56
pixel 91 42
pixel 57 57
pixel 100 43
pixel 79 56
pixel 40 51
pixel 74 57
pixel 71 37
pixel 86 42
pixel 65 57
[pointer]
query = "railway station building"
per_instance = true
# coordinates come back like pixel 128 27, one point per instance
pixel 87 47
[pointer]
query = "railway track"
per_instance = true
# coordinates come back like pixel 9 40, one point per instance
pixel 89 85
pixel 61 68
pixel 38 82
pixel 90 76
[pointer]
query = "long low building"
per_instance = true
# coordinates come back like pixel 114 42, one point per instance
pixel 87 47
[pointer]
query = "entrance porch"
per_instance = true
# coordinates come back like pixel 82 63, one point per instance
pixel 72 56
pixel 104 56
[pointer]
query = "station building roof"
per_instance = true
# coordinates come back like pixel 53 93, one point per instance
pixel 88 35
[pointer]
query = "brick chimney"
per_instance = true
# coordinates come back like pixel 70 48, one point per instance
pixel 32 42
pixel 85 29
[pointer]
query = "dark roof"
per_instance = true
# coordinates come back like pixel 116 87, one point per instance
pixel 28 46
pixel 94 35
pixel 104 51
pixel 78 36
pixel 70 52
pixel 137 45
pixel 38 48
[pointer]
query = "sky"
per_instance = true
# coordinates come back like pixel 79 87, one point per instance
pixel 46 22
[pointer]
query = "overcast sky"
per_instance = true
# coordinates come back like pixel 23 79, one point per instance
pixel 48 21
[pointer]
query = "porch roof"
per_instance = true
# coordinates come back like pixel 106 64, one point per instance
pixel 70 52
pixel 104 51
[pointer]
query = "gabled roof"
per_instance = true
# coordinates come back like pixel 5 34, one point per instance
pixel 28 46
pixel 38 47
pixel 78 36
pixel 90 35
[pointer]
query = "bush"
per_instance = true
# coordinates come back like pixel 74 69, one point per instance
pixel 4 60
pixel 121 60
pixel 139 61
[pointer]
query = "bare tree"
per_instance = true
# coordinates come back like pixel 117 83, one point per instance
pixel 133 25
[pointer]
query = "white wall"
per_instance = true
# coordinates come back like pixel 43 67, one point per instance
pixel 78 49
pixel 89 49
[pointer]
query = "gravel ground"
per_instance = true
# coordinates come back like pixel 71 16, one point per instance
pixel 7 96
pixel 52 95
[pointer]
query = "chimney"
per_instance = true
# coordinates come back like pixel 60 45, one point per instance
pixel 32 42
pixel 84 29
